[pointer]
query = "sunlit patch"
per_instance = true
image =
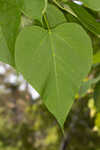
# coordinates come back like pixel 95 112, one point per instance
pixel 33 92
pixel 78 2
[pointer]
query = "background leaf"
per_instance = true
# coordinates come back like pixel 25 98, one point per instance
pixel 33 8
pixel 5 55
pixel 96 58
pixel 71 18
pixel 55 63
pixel 93 4
pixel 87 20
pixel 55 16
pixel 10 21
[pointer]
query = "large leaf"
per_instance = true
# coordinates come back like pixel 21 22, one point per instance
pixel 93 4
pixel 10 21
pixel 5 55
pixel 55 16
pixel 33 8
pixel 87 20
pixel 54 62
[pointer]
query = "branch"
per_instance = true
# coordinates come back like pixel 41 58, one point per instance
pixel 65 142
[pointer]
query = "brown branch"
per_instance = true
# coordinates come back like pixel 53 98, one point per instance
pixel 65 142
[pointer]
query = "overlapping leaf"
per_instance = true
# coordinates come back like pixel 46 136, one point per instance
pixel 55 16
pixel 33 8
pixel 87 20
pixel 10 21
pixel 5 55
pixel 54 62
pixel 93 4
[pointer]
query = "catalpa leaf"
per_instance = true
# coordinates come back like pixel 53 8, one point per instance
pixel 54 63
pixel 93 4
pixel 33 8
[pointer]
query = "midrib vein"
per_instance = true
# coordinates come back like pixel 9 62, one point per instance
pixel 54 63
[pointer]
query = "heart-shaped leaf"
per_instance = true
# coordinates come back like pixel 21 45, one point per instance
pixel 54 62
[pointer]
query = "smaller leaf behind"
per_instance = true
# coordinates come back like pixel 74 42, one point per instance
pixel 33 8
pixel 87 20
pixel 93 4
pixel 55 16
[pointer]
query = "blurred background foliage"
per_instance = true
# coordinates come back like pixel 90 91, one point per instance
pixel 26 124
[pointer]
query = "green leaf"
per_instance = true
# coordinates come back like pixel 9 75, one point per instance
pixel 55 16
pixel 87 20
pixel 97 96
pixel 10 21
pixel 96 58
pixel 71 18
pixel 33 8
pixel 5 55
pixel 93 4
pixel 54 63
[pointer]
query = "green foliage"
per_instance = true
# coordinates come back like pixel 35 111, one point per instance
pixel 5 55
pixel 55 57
pixel 86 19
pixel 52 51
pixel 27 125
pixel 56 13
pixel 96 58
pixel 33 8
pixel 10 21
pixel 93 4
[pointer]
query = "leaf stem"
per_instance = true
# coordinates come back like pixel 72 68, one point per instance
pixel 46 4
pixel 56 3
pixel 63 8
pixel 46 21
pixel 44 15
